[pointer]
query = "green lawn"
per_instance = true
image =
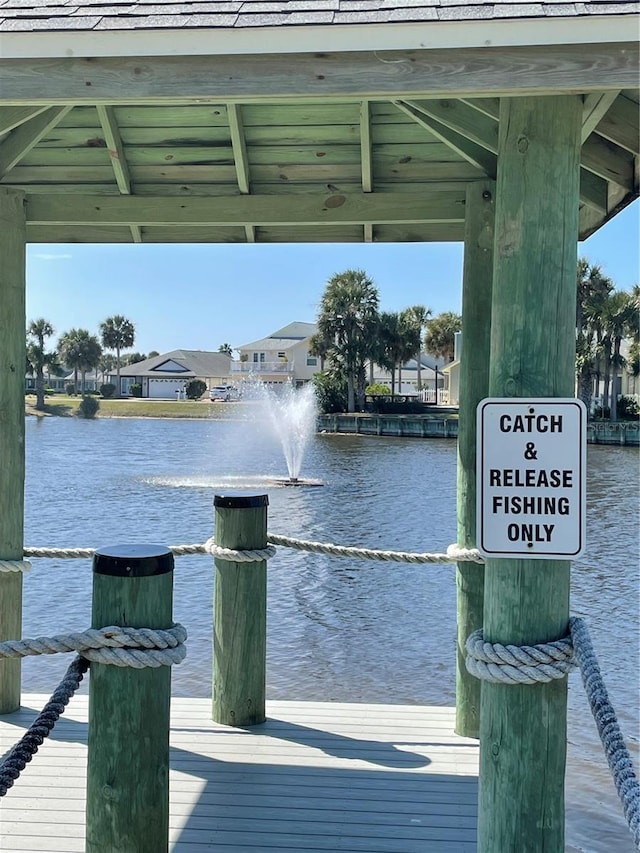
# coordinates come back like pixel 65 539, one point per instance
pixel 61 405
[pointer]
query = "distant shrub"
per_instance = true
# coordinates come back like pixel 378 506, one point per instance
pixel 331 393
pixel 88 407
pixel 628 408
pixel 70 388
pixel 195 388
pixel 135 390
pixel 108 390
pixel 377 388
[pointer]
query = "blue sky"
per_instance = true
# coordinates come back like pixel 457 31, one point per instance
pixel 200 296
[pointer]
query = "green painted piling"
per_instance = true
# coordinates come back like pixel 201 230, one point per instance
pixel 240 613
pixel 12 362
pixel 477 283
pixel 128 763
pixel 523 728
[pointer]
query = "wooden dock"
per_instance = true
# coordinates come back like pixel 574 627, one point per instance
pixel 315 777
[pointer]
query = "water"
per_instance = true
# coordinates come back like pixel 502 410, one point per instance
pixel 339 629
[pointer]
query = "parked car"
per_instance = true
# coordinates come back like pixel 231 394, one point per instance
pixel 223 392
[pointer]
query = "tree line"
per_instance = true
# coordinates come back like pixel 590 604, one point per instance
pixel 605 317
pixel 80 351
pixel 353 334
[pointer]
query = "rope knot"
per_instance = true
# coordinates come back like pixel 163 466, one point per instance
pixel 237 556
pixel 518 664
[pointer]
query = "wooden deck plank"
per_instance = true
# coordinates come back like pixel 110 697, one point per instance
pixel 314 777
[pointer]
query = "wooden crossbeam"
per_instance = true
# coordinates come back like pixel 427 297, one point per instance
pixel 470 151
pixel 16 146
pixel 262 210
pixel 467 72
pixel 365 148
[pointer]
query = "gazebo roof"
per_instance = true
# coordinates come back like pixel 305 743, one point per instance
pixel 299 121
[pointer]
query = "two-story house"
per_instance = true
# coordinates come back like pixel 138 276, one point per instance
pixel 282 357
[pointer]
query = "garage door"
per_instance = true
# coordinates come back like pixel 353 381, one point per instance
pixel 165 389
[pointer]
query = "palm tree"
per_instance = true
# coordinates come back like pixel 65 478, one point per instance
pixel 347 323
pixel 418 315
pixel 37 358
pixel 81 351
pixel 117 333
pixel 106 364
pixel 593 290
pixel 619 319
pixel 412 321
pixel 389 347
pixel 226 348
pixel 440 337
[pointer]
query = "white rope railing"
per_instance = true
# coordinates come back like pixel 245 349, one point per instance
pixel 453 554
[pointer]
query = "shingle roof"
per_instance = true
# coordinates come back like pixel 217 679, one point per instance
pixel 96 15
pixel 197 363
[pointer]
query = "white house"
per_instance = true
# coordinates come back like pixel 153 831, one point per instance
pixel 280 358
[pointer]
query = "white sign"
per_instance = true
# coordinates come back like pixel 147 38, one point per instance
pixel 531 473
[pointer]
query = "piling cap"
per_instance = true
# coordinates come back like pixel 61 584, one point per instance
pixel 133 561
pixel 240 501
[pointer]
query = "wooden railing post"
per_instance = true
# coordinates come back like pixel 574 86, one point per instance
pixel 128 763
pixel 12 361
pixel 477 282
pixel 523 728
pixel 240 613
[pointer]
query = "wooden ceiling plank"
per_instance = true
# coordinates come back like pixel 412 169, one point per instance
pixel 365 148
pixel 239 147
pixel 12 117
pixel 21 140
pixel 115 148
pixel 609 161
pixel 470 151
pixel 355 209
pixel 463 119
pixel 469 72
pixel 595 107
pixel 621 126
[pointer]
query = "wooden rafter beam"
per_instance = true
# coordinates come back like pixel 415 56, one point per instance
pixel 465 73
pixel 12 117
pixel 118 158
pixel 458 116
pixel 261 210
pixel 594 191
pixel 609 161
pixel 18 144
pixel 366 160
pixel 595 107
pixel 240 158
pixel 467 149
pixel 621 125
pixel 488 106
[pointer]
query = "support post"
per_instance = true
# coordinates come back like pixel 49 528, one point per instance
pixel 240 613
pixel 523 728
pixel 477 281
pixel 128 763
pixel 12 361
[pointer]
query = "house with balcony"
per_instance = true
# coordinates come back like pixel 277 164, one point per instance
pixel 281 358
